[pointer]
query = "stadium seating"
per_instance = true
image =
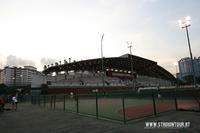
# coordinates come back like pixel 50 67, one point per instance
pixel 96 79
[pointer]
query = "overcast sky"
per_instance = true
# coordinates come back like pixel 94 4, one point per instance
pixel 38 32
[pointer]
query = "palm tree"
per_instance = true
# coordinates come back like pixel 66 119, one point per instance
pixel 45 67
pixel 65 62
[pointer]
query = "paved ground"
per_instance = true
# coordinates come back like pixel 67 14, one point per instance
pixel 34 119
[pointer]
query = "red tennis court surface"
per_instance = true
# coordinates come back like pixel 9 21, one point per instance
pixel 146 110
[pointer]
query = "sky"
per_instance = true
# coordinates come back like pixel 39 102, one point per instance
pixel 41 32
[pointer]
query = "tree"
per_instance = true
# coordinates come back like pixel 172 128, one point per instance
pixel 3 89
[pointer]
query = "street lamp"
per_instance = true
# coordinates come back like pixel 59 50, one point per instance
pixel 185 24
pixel 130 48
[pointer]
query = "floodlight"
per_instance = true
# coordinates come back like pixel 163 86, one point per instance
pixel 185 23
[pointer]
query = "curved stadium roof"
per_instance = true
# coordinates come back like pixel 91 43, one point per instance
pixel 141 66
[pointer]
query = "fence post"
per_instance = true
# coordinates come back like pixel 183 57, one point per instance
pixel 44 98
pixel 64 104
pixel 39 100
pixel 124 111
pixel 54 102
pixel 31 99
pixel 77 103
pixel 35 99
pixel 154 104
pixel 196 97
pixel 175 99
pixel 51 102
pixel 97 107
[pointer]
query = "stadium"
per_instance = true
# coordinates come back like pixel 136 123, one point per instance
pixel 120 89
pixel 126 72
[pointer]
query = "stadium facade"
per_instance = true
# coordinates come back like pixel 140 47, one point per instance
pixel 107 74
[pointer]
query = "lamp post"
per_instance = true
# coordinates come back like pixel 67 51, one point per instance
pixel 130 48
pixel 185 24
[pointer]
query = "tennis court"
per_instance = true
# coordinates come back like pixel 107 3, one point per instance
pixel 121 107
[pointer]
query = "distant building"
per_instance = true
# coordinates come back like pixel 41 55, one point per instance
pixel 17 76
pixel 185 67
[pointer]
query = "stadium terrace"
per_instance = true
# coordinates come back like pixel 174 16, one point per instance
pixel 116 71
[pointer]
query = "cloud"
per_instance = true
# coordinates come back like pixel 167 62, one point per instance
pixel 168 63
pixel 47 61
pixel 12 60
pixel 1 62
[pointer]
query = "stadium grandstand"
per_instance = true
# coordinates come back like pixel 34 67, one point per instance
pixel 107 74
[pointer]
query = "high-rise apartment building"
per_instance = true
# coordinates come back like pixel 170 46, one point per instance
pixel 26 76
pixel 185 67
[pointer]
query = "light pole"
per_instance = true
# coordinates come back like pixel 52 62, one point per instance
pixel 185 24
pixel 130 48
pixel 102 63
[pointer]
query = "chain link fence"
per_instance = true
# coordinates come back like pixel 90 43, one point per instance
pixel 123 107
